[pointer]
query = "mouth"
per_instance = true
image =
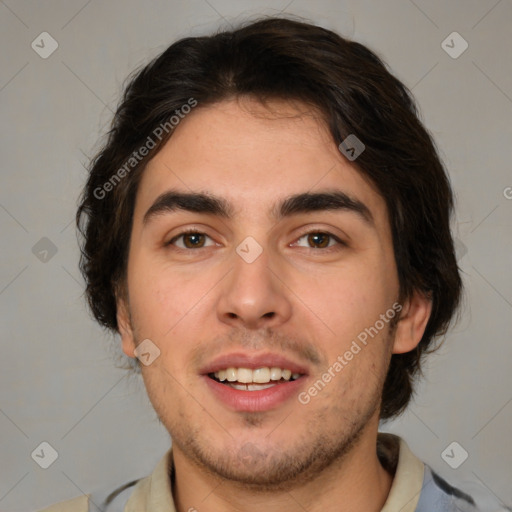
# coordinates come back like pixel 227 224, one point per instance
pixel 254 383
pixel 246 379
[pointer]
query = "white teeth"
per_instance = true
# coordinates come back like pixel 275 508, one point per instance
pixel 253 387
pixel 275 373
pixel 250 387
pixel 241 387
pixel 230 374
pixel 244 375
pixel 259 376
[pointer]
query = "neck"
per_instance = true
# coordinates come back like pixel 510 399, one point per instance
pixel 357 482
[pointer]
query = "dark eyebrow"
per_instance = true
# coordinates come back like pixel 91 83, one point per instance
pixel 300 203
pixel 321 201
pixel 193 202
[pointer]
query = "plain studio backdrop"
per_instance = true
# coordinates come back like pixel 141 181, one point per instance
pixel 58 381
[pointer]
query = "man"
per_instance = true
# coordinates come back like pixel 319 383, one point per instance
pixel 267 228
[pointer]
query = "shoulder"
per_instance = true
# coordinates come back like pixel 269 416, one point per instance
pixel 438 494
pixel 154 489
pixel 80 504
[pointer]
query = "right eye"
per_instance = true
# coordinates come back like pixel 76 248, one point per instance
pixel 190 239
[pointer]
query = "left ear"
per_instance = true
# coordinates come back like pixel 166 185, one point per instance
pixel 413 320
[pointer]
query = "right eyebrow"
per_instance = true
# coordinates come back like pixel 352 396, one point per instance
pixel 193 202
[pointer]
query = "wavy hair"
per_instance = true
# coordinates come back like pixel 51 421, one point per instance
pixel 280 58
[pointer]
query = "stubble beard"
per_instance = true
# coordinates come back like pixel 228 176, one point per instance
pixel 260 466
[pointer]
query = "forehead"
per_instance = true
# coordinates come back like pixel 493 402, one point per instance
pixel 253 155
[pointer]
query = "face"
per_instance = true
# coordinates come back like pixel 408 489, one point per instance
pixel 264 374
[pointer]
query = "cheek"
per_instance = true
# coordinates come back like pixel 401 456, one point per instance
pixel 168 306
pixel 160 296
pixel 350 302
pixel 344 298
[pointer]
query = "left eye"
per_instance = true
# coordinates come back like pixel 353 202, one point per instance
pixel 319 240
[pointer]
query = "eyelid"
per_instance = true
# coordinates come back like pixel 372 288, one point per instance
pixel 340 241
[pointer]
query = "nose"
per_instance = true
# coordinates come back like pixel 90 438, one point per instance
pixel 254 295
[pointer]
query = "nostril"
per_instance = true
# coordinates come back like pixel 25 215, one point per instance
pixel 269 315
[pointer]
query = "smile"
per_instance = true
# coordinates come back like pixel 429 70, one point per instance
pixel 245 379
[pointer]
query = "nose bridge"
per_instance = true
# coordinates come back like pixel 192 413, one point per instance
pixel 253 294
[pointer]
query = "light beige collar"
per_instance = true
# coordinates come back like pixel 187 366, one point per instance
pixel 153 493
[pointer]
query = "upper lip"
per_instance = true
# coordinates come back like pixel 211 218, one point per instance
pixel 252 361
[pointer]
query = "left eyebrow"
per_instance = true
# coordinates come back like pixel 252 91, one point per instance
pixel 307 202
pixel 322 201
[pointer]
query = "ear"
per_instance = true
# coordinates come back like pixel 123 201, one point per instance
pixel 125 328
pixel 412 323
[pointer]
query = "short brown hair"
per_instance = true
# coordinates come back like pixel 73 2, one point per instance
pixel 279 58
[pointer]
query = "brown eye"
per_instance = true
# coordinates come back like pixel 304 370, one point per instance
pixel 190 240
pixel 319 240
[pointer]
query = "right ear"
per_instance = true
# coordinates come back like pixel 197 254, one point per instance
pixel 124 325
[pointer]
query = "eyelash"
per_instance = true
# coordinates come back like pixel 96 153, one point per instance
pixel 315 232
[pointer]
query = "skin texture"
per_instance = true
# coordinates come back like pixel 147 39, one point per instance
pixel 297 299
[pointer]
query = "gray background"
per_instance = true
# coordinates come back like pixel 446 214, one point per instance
pixel 58 382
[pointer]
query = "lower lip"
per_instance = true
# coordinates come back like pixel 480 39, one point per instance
pixel 255 401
